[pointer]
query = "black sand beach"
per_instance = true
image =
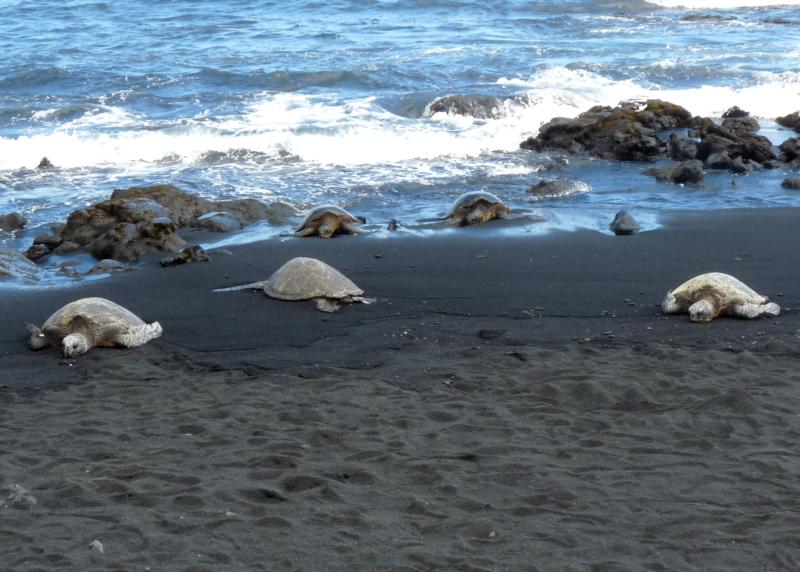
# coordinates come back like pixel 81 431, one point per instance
pixel 507 404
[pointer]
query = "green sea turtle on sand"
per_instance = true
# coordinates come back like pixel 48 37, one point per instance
pixel 714 294
pixel 309 279
pixel 476 207
pixel 92 322
pixel 327 220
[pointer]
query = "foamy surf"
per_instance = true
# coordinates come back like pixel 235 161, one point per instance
pixel 721 4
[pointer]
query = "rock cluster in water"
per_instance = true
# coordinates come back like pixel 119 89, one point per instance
pixel 140 220
pixel 636 132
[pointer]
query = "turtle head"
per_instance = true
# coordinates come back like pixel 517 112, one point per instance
pixel 702 311
pixel 326 230
pixel 477 215
pixel 75 344
pixel 38 339
pixel 501 210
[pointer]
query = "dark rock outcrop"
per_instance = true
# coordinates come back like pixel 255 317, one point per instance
pixel 45 164
pixel 682 173
pixel 790 151
pixel 139 220
pixel 37 252
pixel 792 183
pixel 735 111
pixel 12 221
pixel 628 132
pixel 792 121
pixel 681 148
pixel 624 224
pixel 734 145
pixel 478 106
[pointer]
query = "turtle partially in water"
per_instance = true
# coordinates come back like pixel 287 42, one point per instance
pixel 328 220
pixel 92 322
pixel 476 207
pixel 309 279
pixel 714 294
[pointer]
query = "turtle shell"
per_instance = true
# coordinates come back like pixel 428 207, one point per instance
pixel 467 200
pixel 316 215
pixel 724 285
pixel 104 318
pixel 305 278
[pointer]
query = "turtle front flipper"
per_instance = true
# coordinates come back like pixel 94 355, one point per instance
pixel 327 305
pixel 38 339
pixel 305 231
pixel 351 228
pixel 750 311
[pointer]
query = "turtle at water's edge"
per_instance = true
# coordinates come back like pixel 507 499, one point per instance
pixel 707 296
pixel 476 207
pixel 328 220
pixel 92 322
pixel 309 279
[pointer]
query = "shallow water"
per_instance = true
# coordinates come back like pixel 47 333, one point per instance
pixel 312 102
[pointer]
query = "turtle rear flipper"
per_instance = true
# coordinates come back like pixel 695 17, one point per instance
pixel 250 286
pixel 328 305
pixel 755 310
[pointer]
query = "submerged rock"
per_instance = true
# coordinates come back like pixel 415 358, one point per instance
pixel 218 222
pixel 478 106
pixel 682 173
pixel 792 183
pixel 628 132
pixel 624 224
pixel 558 187
pixel 193 253
pixel 12 221
pixel 14 265
pixel 107 266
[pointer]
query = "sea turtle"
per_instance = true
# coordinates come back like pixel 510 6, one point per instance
pixel 475 207
pixel 710 295
pixel 327 220
pixel 92 322
pixel 309 279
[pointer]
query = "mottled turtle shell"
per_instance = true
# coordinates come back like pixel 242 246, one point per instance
pixel 314 217
pixel 726 288
pixel 104 318
pixel 467 200
pixel 306 278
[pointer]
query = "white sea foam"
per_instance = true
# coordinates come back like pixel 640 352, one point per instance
pixel 327 131
pixel 564 92
pixel 722 4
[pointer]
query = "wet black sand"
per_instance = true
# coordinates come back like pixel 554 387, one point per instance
pixel 507 404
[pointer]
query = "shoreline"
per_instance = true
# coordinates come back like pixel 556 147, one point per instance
pixel 579 286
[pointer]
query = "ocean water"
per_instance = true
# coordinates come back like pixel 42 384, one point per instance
pixel 310 102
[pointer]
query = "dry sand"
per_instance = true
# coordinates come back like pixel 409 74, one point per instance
pixel 508 404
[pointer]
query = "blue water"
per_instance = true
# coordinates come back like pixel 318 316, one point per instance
pixel 310 102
